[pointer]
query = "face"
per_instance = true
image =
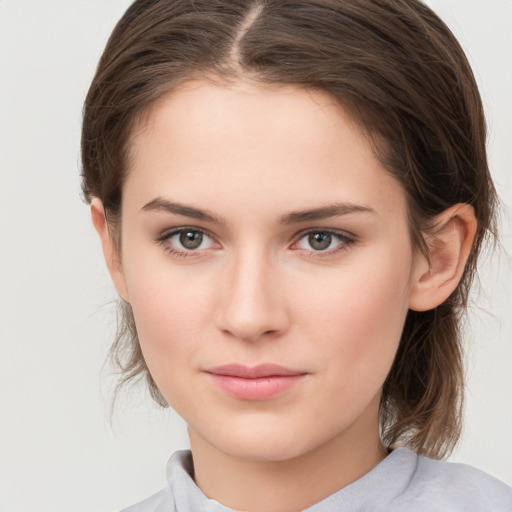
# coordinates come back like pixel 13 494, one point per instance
pixel 266 256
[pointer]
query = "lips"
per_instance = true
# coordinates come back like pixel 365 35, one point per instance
pixel 260 382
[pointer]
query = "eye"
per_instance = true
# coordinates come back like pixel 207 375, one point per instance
pixel 323 241
pixel 185 241
pixel 189 239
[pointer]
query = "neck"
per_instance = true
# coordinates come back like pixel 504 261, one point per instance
pixel 286 485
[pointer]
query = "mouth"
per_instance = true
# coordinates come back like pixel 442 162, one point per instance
pixel 260 382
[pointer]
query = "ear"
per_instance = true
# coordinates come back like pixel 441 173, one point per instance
pixel 110 252
pixel 449 248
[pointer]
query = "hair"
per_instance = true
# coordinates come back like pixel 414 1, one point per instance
pixel 396 68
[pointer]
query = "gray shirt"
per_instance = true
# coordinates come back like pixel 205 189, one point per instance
pixel 402 482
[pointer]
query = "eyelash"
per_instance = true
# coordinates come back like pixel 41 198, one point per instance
pixel 344 241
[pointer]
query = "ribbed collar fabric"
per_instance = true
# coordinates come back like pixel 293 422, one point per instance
pixel 375 490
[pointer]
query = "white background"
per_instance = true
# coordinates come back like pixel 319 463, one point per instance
pixel 58 451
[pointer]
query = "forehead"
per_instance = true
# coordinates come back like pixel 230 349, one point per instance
pixel 282 145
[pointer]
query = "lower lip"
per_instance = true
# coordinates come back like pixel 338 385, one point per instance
pixel 261 388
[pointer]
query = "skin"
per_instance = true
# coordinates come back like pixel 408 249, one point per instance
pixel 256 290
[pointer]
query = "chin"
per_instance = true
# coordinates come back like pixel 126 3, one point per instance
pixel 263 445
pixel 263 451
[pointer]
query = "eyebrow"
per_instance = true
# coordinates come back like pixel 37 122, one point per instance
pixel 159 204
pixel 324 212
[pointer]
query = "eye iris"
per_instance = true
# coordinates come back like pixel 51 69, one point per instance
pixel 191 239
pixel 319 241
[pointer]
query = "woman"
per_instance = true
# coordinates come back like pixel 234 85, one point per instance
pixel 291 199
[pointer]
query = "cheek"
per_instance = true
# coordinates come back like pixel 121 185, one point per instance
pixel 170 311
pixel 357 324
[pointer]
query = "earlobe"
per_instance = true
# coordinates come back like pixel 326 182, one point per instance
pixel 449 248
pixel 110 251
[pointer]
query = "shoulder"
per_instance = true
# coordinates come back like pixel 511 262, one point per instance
pixel 160 502
pixel 448 486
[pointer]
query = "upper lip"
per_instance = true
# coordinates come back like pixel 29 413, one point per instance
pixel 254 372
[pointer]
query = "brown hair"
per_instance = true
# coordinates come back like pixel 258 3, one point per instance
pixel 400 73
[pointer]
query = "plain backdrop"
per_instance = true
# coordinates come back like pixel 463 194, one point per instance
pixel 59 452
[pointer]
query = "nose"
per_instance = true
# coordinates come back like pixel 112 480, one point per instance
pixel 253 303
